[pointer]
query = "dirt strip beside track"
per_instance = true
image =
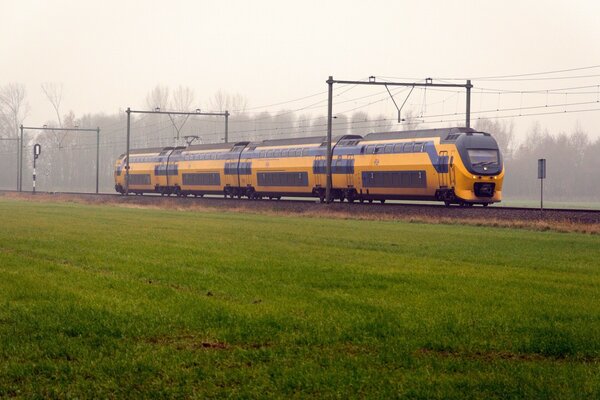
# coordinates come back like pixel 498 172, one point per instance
pixel 561 220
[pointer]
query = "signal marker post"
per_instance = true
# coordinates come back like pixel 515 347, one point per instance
pixel 37 150
pixel 541 177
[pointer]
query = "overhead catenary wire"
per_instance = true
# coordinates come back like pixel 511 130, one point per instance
pixel 519 75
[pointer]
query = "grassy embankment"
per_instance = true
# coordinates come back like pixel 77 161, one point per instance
pixel 114 302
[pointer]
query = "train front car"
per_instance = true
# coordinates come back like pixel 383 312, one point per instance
pixel 478 172
pixel 453 165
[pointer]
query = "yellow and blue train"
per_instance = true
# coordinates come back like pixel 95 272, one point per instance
pixel 453 165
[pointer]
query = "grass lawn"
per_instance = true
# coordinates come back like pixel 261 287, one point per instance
pixel 100 302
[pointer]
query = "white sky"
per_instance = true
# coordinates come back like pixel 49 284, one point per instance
pixel 108 54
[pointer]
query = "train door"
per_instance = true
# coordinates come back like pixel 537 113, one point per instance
pixel 349 171
pixel 451 170
pixel 319 168
pixel 443 169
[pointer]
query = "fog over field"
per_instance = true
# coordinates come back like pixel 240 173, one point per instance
pixel 535 68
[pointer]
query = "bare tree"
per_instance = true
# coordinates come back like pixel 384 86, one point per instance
pixel 13 107
pixel 304 122
pixel 222 101
pixel 410 121
pixel 13 110
pixel 502 132
pixel 340 125
pixel 183 98
pixel 359 123
pixel 158 98
pixel 381 124
pixel 54 94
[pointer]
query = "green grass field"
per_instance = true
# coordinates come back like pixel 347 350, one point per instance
pixel 100 301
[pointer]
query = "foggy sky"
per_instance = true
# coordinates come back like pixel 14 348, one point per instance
pixel 108 54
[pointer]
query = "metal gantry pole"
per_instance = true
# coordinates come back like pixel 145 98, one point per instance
pixel 226 126
pixel 127 159
pixel 97 157
pixel 21 162
pixel 329 126
pixel 17 159
pixel 468 86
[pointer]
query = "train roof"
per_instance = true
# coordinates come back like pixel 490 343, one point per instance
pixel 289 142
pixel 422 133
pixel 320 140
pixel 442 133
pixel 211 146
pixel 146 150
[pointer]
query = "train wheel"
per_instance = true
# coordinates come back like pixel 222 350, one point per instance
pixel 382 201
pixel 370 201
pixel 485 204
pixel 447 203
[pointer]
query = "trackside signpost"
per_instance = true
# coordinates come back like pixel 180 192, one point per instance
pixel 541 177
pixel 37 150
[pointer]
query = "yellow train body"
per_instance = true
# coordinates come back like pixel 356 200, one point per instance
pixel 457 165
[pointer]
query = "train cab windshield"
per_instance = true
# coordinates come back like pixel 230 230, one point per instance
pixel 483 157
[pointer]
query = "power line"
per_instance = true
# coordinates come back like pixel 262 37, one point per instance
pixel 507 76
pixel 515 109
pixel 157 140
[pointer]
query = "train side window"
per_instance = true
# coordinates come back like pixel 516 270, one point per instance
pixel 418 147
pixel 277 153
pixel 398 148
pixel 379 149
pixel 408 147
pixel 389 148
pixel 285 153
pixel 269 153
pixel 370 149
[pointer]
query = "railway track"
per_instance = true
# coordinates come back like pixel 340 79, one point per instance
pixel 375 210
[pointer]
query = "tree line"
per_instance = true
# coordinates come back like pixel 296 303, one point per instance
pixel 68 161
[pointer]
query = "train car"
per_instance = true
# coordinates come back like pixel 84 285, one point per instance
pixel 277 168
pixel 458 165
pixel 453 165
pixel 202 169
pixel 142 177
